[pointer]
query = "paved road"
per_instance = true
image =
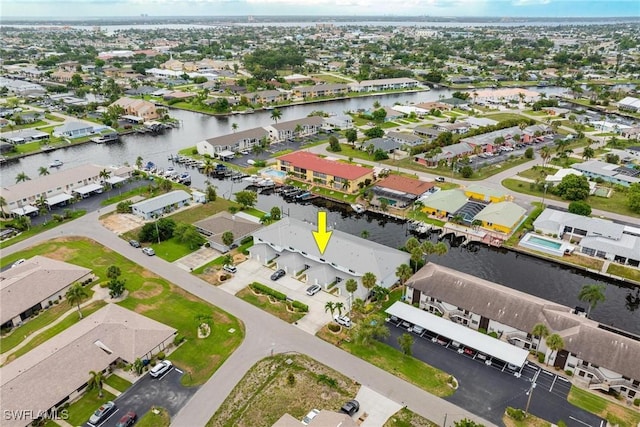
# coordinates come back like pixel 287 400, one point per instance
pixel 265 334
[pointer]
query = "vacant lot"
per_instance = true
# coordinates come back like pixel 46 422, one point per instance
pixel 281 384
pixel 612 412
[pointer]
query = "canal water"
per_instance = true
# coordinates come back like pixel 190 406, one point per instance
pixel 525 273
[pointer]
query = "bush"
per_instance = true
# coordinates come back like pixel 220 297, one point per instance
pixel 482 330
pixel 300 306
pixel 568 372
pixel 466 171
pixel 493 334
pixel 246 240
pixel 259 287
pixel 516 414
pixel 178 340
pixel 540 357
pixel 161 355
pixel 561 424
pixel 636 402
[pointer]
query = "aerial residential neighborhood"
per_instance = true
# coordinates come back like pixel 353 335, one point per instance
pixel 402 215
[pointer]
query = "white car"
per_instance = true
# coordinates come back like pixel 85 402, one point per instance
pixel 343 320
pixel 230 268
pixel 148 251
pixel 310 416
pixel 313 289
pixel 162 367
pixel 18 262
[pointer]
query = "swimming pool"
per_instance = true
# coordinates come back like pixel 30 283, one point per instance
pixel 544 242
pixel 546 245
pixel 273 173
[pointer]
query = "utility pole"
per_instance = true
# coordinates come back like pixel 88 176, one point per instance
pixel 530 392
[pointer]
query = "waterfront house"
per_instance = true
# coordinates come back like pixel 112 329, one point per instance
pixel 383 84
pixel 593 236
pixel 329 173
pixel 629 103
pixel 74 130
pixel 266 97
pixel 56 372
pixel 35 285
pixel 338 122
pixel 608 172
pixel 598 356
pixel 400 191
pixel 503 217
pixel 485 194
pixel 444 203
pixel 321 90
pixel 160 205
pixel 137 107
pixel 290 243
pixel 294 128
pixel 239 141
pixel 216 225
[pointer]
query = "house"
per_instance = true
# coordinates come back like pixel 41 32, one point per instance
pixel 629 103
pixel 561 173
pixel 444 203
pixel 321 90
pixel 160 205
pixel 405 139
pixel 479 122
pixel 230 143
pixel 35 285
pixel 454 151
pixel 216 225
pixel 21 87
pixel 406 110
pixel 292 128
pixel 266 97
pixel 330 173
pixel 290 243
pixel 593 236
pixel 338 122
pixel 503 217
pixel 428 133
pixel 499 96
pixel 24 135
pixel 431 106
pixel 633 151
pixel 608 172
pixel 486 142
pixel 74 130
pixel 455 103
pixel 631 133
pixel 383 84
pixel 479 192
pixel 384 144
pixel 392 114
pixel 137 107
pixel 57 371
pixel 458 127
pixel 597 355
pixel 399 191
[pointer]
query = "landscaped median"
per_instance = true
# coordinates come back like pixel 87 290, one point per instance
pixel 614 413
pixel 273 302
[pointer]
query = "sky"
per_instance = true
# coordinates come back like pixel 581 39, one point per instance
pixel 493 8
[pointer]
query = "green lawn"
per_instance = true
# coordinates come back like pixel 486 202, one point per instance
pixel 478 175
pixel 254 212
pixel 536 172
pixel 330 78
pixel 423 217
pixel 172 249
pixel 278 309
pixel 81 410
pixel 117 382
pixel 349 151
pixel 388 125
pixel 25 126
pixel 626 272
pixel 327 192
pixel 505 116
pixel 612 412
pixel 202 211
pixel 161 419
pixel 53 117
pixel 37 230
pixel 407 418
pixel 46 335
pixel 160 300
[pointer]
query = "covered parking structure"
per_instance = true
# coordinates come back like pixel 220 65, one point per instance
pixel 86 190
pixel 445 331
pixel 25 210
pixel 58 199
pixel 113 180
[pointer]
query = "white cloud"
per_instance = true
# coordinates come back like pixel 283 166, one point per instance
pixel 530 2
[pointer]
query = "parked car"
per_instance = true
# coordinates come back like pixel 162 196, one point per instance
pixel 230 268
pixel 102 413
pixel 127 419
pixel 351 407
pixel 162 367
pixel 440 179
pixel 310 416
pixel 417 329
pixel 149 251
pixel 18 262
pixel 278 274
pixel 134 243
pixel 343 320
pixel 513 367
pixel 313 289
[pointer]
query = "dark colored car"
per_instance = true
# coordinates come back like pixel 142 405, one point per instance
pixel 134 243
pixel 278 274
pixel 351 407
pixel 127 419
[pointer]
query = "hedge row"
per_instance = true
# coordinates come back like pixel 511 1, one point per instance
pixel 259 287
pixel 300 306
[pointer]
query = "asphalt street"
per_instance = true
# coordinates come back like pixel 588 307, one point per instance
pixel 488 390
pixel 165 392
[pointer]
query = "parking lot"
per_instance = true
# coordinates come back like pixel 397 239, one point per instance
pixel 486 390
pixel 275 147
pixel 165 392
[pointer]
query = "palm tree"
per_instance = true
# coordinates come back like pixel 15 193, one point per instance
pixel 373 327
pixel 592 294
pixel 411 244
pixel 369 280
pixel 21 177
pixel 139 162
pixel 416 257
pixel 209 167
pixel 234 127
pixel 104 174
pixel 276 115
pixel 540 331
pixel 403 273
pixel 75 295
pixel 330 307
pixel 43 170
pixel 96 380
pixel 339 306
pixel 3 203
pixel 545 154
pixel 588 153
pixel 555 343
pixel 364 234
pixel 298 130
pixel 351 285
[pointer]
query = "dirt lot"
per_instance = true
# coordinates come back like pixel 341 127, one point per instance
pixel 121 223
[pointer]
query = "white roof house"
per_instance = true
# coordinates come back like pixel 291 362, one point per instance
pixel 57 368
pixel 629 103
pixel 158 205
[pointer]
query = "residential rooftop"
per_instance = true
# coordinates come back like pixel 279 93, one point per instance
pixel 313 162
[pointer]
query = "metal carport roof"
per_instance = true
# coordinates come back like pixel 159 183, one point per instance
pixel 25 210
pixel 466 336
pixel 87 189
pixel 58 198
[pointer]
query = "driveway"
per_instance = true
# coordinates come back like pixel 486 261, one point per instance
pixel 166 392
pixel 488 390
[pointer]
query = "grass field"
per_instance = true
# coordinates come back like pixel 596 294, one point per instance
pixel 612 412
pixel 160 300
pixel 504 116
pixel 161 419
pixel 407 418
pixel 478 175
pixel 278 308
pixel 117 382
pixel 537 172
pixel 81 410
pixel 288 383
pixel 530 421
pixel 626 272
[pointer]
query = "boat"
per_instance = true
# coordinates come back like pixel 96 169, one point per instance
pixel 253 179
pixel 267 182
pixel 358 208
pixel 55 164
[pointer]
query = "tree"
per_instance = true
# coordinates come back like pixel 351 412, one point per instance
pixel 234 127
pixel 330 307
pixel 379 293
pixel 588 153
pixel 416 258
pixel 76 80
pixel 555 343
pixel 466 171
pixel 246 198
pixel 43 170
pixel 188 233
pixel 545 154
pixel 573 187
pixel 379 115
pixel 22 177
pixel 334 144
pixel 351 135
pixel 275 212
pixel 211 193
pixel 276 115
pixel 467 423
pixel 351 285
pixel 3 203
pixel 374 132
pixel 405 341
pixel 540 331
pixel 580 208
pixel 528 153
pixel 116 287
pixel 372 327
pixel 75 295
pixel 403 273
pixel 592 294
pixel 411 244
pixel 104 174
pixel 364 234
pixel 139 162
pixel 633 197
pixel 113 272
pixel 369 280
pixel 339 306
pixel 159 230
pixel 227 238
pixel 95 381
pixel 22 222
pixel 614 159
